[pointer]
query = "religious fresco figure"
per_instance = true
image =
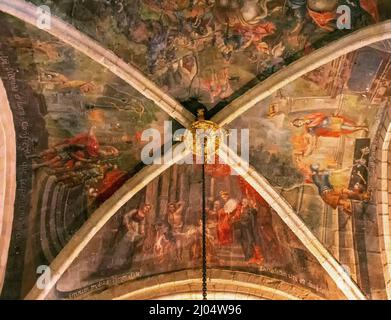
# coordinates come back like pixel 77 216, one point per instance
pixel 246 12
pixel 213 214
pixel 225 216
pixel 224 229
pixel 175 216
pixel 270 243
pixel 359 176
pixel 323 13
pixel 81 160
pixel 182 234
pixel 165 249
pixel 82 148
pixel 249 237
pixel 112 180
pixel 127 242
pixel 194 242
pixel 321 125
pixel 335 197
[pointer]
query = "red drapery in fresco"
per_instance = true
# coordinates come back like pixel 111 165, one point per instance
pixel 218 170
pixel 322 19
pixel 255 32
pixel 370 6
pixel 112 181
pixel 250 192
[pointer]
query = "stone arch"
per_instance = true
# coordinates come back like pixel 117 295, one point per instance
pixel 358 39
pixel 188 282
pixel 7 179
pixel 383 195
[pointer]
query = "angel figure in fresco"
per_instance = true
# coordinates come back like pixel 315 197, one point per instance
pixel 127 242
pixel 332 196
pixel 321 125
pixel 81 149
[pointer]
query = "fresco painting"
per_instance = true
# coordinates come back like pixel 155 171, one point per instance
pixel 213 50
pixel 93 120
pixel 243 233
pixel 87 132
pixel 314 126
pixel 79 131
pixel 314 145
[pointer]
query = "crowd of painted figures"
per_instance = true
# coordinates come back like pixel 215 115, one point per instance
pixel 211 48
pixel 180 37
pixel 248 30
pixel 169 240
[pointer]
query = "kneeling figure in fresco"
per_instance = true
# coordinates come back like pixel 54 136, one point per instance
pixel 127 243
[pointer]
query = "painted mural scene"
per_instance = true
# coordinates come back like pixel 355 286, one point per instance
pixel 108 106
pixel 213 49
pixel 161 230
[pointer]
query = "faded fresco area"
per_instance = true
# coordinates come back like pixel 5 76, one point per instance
pixel 314 145
pixel 159 231
pixel 213 50
pixel 82 138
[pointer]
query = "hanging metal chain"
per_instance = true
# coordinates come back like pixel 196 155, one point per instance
pixel 204 258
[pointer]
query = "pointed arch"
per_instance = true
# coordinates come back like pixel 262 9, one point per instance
pixel 384 197
pixel 220 280
pixel 7 179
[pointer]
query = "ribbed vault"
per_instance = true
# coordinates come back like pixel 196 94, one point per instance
pixel 184 282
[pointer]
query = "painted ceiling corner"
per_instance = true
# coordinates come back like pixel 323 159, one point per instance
pixel 302 212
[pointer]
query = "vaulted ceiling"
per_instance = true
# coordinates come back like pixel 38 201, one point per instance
pixel 82 92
